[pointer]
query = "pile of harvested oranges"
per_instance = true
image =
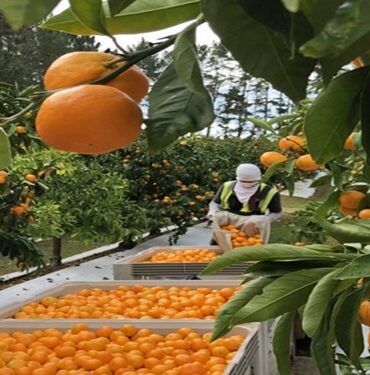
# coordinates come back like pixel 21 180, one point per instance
pixel 239 238
pixel 108 351
pixel 184 256
pixel 136 302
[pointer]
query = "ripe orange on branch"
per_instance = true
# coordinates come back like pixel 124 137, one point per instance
pixel 89 119
pixel 364 214
pixel 77 68
pixel 292 142
pixel 350 199
pixel 306 163
pixel 270 157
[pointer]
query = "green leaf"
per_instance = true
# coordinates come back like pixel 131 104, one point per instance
pixel 283 295
pixel 349 24
pixel 227 311
pixel 326 248
pixel 330 202
pixel 321 181
pixel 365 118
pixel 271 170
pixel 261 124
pixel 291 5
pixel 289 167
pixel 186 63
pixel 348 330
pixel 270 13
pixel 5 150
pixel 174 110
pixel 332 116
pixel 322 342
pixel 289 182
pixel 359 267
pixel 353 230
pixel 116 6
pixel 90 13
pixel 281 343
pixel 317 303
pixel 140 17
pixel 20 13
pixel 271 252
pixel 331 64
pixel 276 269
pixel 319 12
pixel 260 51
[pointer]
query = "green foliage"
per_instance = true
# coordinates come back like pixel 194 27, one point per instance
pixel 305 228
pixel 175 110
pixel 139 17
pixel 21 249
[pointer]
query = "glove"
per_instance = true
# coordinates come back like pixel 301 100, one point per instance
pixel 210 215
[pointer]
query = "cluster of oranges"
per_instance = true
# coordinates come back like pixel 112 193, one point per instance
pixel 239 238
pixel 294 143
pixel 109 351
pixel 184 256
pixel 88 118
pixel 349 202
pixel 136 302
pixel 297 144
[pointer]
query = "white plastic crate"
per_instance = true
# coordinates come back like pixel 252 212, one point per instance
pixel 138 267
pixel 245 361
pixel 73 287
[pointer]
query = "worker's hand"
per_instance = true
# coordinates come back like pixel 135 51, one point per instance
pixel 210 215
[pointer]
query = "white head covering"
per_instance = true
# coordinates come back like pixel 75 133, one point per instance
pixel 248 177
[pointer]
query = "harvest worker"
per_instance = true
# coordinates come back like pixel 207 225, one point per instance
pixel 246 196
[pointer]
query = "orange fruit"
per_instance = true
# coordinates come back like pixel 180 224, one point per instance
pixel 306 163
pixel 77 68
pixel 347 211
pixel 30 178
pixel 364 214
pixel 349 145
pixel 3 177
pixel 351 199
pixel 292 142
pixel 19 210
pixel 271 157
pixel 357 61
pixel 89 119
pixel 20 129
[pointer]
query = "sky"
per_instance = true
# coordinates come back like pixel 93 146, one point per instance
pixel 204 34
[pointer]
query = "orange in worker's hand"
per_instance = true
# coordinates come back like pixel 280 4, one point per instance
pixel 77 68
pixel 89 119
pixel 271 157
pixel 306 163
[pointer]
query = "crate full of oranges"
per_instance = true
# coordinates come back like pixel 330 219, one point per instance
pixel 115 348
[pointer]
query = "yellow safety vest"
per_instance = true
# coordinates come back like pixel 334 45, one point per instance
pixel 263 204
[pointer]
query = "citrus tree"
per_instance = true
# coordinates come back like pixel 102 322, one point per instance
pixel 280 41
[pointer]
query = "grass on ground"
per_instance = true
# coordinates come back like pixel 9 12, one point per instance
pixel 69 247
